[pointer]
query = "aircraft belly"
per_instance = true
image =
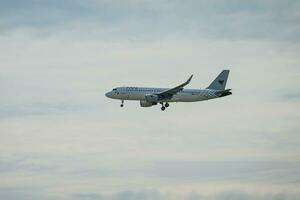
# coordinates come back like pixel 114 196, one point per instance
pixel 187 98
pixel 136 97
pixel 184 98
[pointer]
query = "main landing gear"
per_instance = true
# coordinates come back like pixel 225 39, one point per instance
pixel 163 107
pixel 122 104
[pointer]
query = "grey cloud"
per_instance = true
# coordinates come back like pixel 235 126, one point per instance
pixel 236 195
pixel 153 194
pixel 29 95
pixel 91 47
pixel 233 20
pixel 66 167
pixel 61 165
pixel 137 195
pixel 19 13
pixel 27 164
pixel 290 96
pixel 267 171
pixel 38 109
pixel 157 195
pixel 24 195
pixel 250 171
pixel 90 196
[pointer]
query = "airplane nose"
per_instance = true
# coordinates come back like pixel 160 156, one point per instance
pixel 108 94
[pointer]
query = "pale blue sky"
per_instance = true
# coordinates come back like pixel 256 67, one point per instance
pixel 61 138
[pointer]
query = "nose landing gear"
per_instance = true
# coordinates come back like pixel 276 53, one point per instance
pixel 122 104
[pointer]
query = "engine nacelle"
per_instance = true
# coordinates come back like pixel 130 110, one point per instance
pixel 151 98
pixel 144 103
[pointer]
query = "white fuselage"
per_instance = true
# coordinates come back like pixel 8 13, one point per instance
pixel 139 93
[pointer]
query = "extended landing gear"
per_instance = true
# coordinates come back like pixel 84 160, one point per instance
pixel 163 107
pixel 122 104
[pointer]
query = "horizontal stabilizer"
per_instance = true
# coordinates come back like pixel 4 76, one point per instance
pixel 223 93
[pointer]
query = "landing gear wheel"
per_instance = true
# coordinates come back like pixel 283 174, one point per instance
pixel 122 104
pixel 166 105
pixel 163 108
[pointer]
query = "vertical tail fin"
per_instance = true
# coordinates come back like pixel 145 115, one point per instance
pixel 220 82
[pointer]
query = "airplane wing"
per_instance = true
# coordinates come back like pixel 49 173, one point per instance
pixel 168 94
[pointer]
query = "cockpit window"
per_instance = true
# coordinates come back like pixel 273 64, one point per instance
pixel 115 89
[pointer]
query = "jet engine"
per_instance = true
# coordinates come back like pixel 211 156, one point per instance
pixel 144 103
pixel 151 98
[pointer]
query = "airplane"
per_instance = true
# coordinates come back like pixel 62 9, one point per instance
pixel 152 96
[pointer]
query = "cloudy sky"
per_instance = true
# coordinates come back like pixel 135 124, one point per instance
pixel 62 139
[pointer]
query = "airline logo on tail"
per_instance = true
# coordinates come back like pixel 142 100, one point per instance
pixel 221 82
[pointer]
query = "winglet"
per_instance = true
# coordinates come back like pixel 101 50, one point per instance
pixel 189 80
